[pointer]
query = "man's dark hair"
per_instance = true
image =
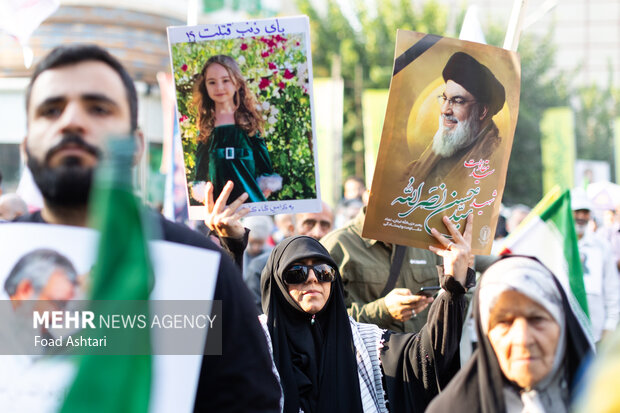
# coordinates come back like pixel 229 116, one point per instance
pixel 71 54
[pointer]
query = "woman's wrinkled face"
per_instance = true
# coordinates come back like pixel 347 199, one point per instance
pixel 524 337
pixel 311 295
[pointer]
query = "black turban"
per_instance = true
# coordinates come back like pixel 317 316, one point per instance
pixel 477 79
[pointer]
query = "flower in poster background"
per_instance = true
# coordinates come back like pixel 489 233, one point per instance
pixel 264 83
pixel 276 70
pixel 302 75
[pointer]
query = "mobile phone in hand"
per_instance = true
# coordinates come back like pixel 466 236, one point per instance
pixel 428 291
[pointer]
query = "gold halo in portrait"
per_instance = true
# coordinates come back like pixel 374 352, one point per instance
pixel 423 118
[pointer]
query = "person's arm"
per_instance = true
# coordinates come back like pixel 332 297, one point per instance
pixel 375 312
pixel 418 366
pixel 235 247
pixel 225 221
pixel 400 304
pixel 241 379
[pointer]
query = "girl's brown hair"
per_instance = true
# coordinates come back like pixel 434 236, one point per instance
pixel 247 115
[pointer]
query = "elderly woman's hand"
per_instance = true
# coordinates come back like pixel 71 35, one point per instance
pixel 224 220
pixel 456 252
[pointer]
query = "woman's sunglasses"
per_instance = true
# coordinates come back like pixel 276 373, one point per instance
pixel 298 273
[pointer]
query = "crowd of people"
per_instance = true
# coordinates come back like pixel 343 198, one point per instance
pixel 318 318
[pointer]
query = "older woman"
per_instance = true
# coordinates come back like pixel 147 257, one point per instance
pixel 531 344
pixel 328 362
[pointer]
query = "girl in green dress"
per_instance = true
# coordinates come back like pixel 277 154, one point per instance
pixel 230 146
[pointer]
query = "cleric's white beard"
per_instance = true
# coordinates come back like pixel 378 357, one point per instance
pixel 447 142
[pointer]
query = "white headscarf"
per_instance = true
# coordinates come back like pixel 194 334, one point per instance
pixel 532 279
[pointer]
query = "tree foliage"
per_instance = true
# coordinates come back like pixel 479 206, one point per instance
pixel 595 111
pixel 367 49
pixel 540 90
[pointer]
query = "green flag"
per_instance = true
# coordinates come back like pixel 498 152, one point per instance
pixel 111 383
pixel 548 233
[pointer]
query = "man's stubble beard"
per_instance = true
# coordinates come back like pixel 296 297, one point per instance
pixel 67 185
pixel 447 142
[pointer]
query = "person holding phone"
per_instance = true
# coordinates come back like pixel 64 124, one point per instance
pixel 365 266
pixel 428 291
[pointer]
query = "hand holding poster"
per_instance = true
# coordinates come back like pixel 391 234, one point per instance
pixel 453 104
pixel 244 93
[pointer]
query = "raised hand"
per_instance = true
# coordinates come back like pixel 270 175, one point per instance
pixel 222 219
pixel 456 253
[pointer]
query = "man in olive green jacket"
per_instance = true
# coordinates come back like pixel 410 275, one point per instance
pixel 364 265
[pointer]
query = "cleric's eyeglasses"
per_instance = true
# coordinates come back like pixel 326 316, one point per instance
pixel 455 102
pixel 298 273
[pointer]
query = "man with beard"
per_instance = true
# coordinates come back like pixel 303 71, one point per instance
pixel 600 277
pixel 79 96
pixel 466 131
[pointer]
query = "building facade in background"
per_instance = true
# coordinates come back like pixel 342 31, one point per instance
pixel 586 33
pixel 134 32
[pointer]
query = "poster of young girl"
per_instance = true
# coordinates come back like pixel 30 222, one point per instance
pixel 244 105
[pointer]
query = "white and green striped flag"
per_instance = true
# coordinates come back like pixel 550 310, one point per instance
pixel 548 233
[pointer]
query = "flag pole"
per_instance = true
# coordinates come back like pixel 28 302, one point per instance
pixel 192 12
pixel 515 25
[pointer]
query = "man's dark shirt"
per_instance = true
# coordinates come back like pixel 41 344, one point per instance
pixel 241 379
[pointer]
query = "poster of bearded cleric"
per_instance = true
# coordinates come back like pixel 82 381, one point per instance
pixel 244 101
pixel 446 141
